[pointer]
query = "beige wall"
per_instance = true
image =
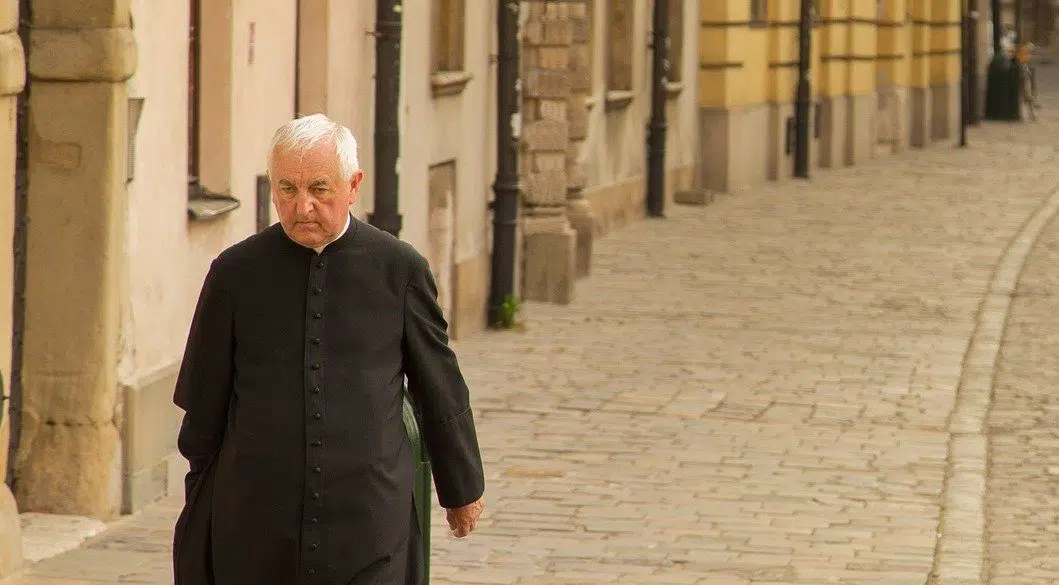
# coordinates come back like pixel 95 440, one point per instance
pixel 614 151
pixel 457 127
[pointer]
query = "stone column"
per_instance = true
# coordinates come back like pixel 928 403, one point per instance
pixel 577 206
pixel 81 53
pixel 549 243
pixel 12 78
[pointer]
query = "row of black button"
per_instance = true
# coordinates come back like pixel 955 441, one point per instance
pixel 314 339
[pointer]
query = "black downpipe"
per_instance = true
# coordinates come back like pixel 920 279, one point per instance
pixel 297 57
pixel 1018 23
pixel 965 73
pixel 973 85
pixel 506 186
pixel 194 120
pixel 802 101
pixel 656 133
pixel 998 22
pixel 386 214
pixel 18 308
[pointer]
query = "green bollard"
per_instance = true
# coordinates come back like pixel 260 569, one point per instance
pixel 422 482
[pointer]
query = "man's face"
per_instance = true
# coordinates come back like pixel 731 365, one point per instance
pixel 311 197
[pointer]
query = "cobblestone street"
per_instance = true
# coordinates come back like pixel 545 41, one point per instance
pixel 789 385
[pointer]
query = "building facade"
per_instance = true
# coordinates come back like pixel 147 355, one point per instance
pixel 884 76
pixel 148 124
pixel 147 132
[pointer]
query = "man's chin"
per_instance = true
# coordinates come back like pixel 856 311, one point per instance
pixel 306 237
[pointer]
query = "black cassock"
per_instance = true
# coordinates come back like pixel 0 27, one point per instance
pixel 291 383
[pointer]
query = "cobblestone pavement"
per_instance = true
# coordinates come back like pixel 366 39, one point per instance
pixel 755 391
pixel 1023 429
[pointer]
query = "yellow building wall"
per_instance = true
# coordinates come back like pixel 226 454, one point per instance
pixel 912 43
pixel 893 44
pixel 945 42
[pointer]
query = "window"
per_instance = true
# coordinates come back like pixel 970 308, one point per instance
pixel 447 67
pixel 209 106
pixel 449 21
pixel 620 14
pixel 676 41
pixel 758 12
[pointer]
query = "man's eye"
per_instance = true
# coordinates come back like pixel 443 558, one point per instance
pixel 319 190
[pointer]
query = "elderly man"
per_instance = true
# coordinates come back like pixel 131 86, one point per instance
pixel 292 385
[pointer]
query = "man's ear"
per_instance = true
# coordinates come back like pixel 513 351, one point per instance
pixel 354 183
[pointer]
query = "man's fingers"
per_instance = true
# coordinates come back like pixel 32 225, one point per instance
pixel 463 521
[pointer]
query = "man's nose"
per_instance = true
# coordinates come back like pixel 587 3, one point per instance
pixel 305 204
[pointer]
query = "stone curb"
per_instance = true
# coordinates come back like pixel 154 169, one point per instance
pixel 961 549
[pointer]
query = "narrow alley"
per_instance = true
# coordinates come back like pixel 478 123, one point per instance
pixel 776 388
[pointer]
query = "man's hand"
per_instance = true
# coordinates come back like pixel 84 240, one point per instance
pixel 463 520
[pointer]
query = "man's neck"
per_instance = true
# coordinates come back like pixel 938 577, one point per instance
pixel 319 249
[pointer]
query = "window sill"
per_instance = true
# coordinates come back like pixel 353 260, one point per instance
pixel 446 83
pixel 618 99
pixel 204 205
pixel 674 88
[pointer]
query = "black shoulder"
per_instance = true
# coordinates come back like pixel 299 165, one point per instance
pixel 388 248
pixel 248 251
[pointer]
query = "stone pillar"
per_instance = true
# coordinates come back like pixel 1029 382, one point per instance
pixel 577 206
pixel 549 243
pixel 81 54
pixel 12 78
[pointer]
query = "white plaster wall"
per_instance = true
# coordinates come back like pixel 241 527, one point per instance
pixel 682 133
pixel 456 127
pixel 615 147
pixel 463 127
pixel 159 308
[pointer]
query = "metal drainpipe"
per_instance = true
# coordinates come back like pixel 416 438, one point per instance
pixel 965 73
pixel 998 22
pixel 801 106
pixel 973 21
pixel 18 306
pixel 297 57
pixel 385 215
pixel 1018 22
pixel 656 133
pixel 506 185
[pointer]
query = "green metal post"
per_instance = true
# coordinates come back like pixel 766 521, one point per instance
pixel 421 485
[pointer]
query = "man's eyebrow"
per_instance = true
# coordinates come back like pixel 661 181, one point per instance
pixel 320 183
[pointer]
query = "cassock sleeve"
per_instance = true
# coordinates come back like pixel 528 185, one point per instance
pixel 204 384
pixel 440 394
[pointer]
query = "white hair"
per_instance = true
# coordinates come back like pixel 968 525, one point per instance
pixel 301 134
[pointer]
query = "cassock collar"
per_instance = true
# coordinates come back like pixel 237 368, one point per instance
pixel 349 220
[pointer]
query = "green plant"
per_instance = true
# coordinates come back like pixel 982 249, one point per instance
pixel 508 314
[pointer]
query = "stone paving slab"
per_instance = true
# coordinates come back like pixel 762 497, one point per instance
pixel 759 390
pixel 1022 517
